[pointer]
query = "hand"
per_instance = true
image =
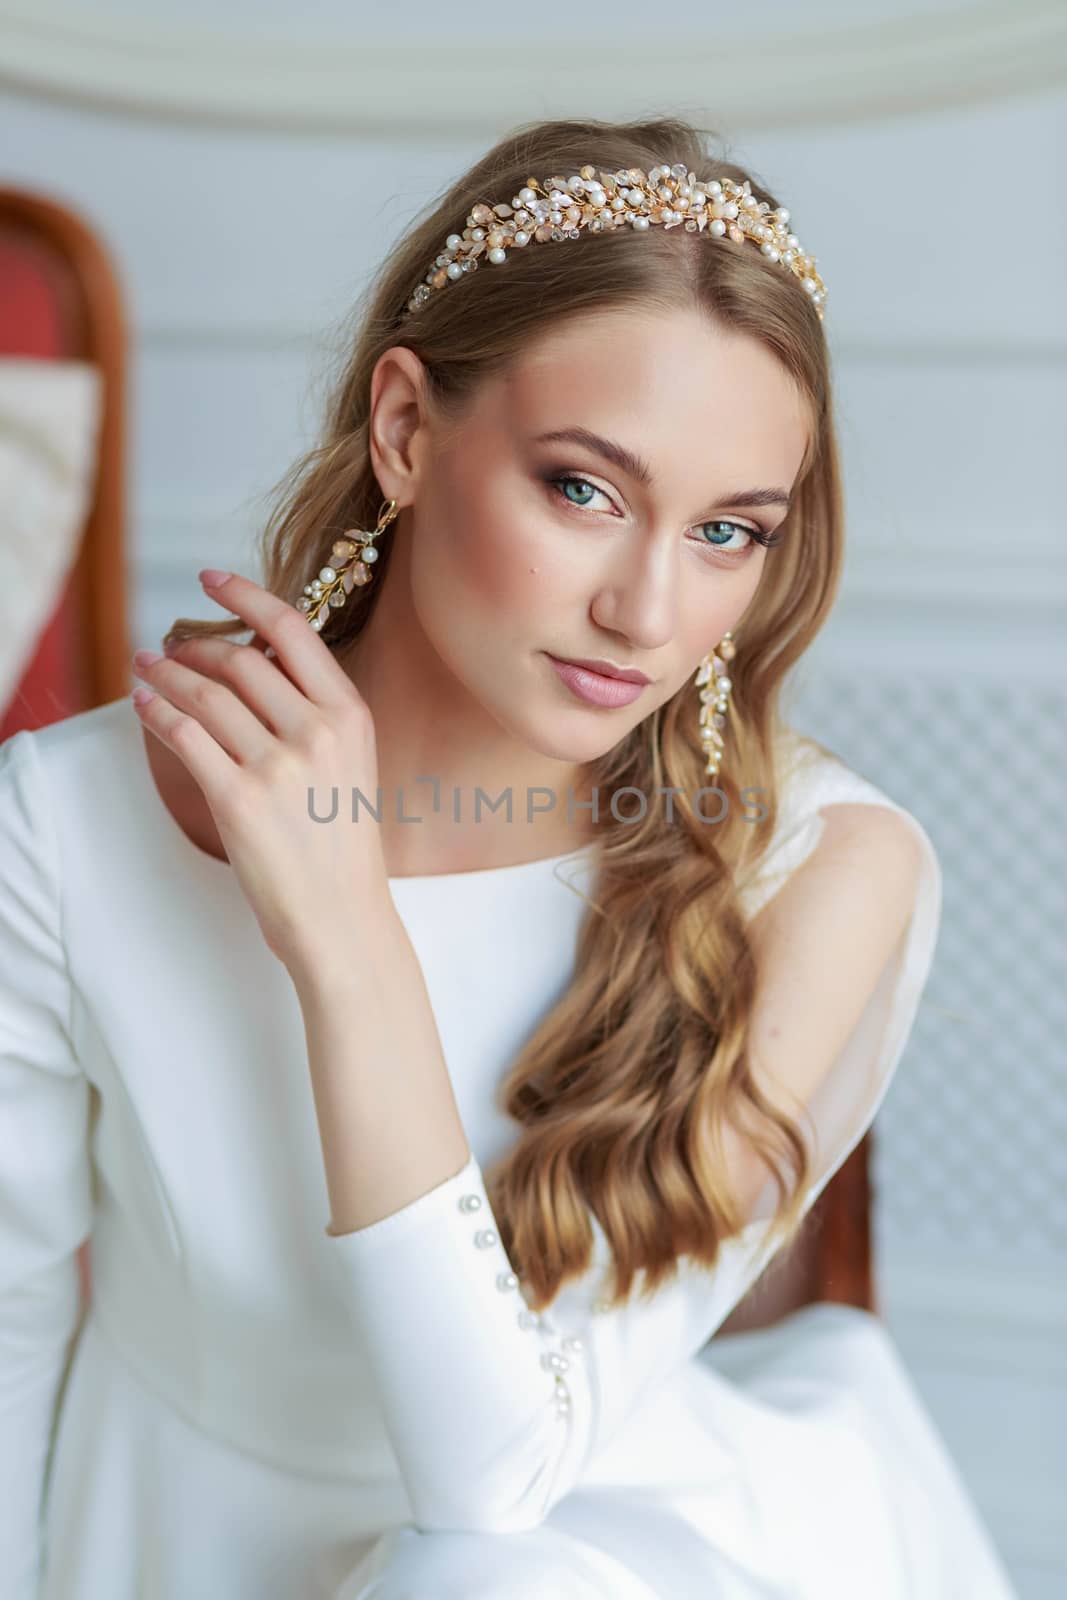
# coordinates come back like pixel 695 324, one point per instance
pixel 258 734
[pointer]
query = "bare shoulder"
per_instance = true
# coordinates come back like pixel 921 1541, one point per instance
pixel 864 871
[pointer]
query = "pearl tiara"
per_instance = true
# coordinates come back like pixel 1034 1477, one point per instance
pixel 670 196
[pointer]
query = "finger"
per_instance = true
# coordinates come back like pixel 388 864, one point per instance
pixel 305 657
pixel 260 683
pixel 193 745
pixel 216 708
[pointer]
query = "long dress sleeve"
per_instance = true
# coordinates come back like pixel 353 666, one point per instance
pixel 493 1412
pixel 45 1205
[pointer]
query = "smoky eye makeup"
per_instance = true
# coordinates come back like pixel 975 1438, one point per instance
pixel 556 481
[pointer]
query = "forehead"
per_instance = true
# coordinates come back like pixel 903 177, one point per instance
pixel 674 386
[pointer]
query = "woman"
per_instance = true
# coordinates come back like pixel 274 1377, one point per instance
pixel 367 1231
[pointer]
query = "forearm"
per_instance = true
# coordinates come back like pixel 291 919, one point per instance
pixel 388 1120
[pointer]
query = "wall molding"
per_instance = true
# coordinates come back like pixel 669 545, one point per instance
pixel 413 85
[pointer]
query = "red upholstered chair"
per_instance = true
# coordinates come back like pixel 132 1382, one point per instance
pixel 60 301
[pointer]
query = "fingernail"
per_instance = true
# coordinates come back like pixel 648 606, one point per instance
pixel 145 658
pixel 139 696
pixel 212 577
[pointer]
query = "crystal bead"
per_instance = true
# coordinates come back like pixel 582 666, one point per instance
pixel 337 599
pixel 484 1238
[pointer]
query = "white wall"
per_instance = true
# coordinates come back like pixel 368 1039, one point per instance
pixel 248 169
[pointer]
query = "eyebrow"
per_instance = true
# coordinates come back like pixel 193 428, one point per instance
pixel 638 469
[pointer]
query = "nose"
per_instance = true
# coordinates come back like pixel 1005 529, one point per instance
pixel 639 599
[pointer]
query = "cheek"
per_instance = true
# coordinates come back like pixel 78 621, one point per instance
pixel 710 610
pixel 493 559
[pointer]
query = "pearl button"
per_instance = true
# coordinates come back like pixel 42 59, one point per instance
pixel 484 1238
pixel 470 1202
pixel 507 1280
pixel 527 1319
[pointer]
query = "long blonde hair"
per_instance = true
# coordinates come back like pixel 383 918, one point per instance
pixel 622 1093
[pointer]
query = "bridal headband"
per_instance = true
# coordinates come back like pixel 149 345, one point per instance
pixel 671 197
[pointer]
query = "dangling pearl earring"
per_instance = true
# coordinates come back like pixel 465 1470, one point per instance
pixel 336 581
pixel 715 699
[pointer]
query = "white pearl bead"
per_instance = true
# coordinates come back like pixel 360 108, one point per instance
pixel 730 209
pixel 641 224
pixel 497 256
pixel 522 238
pixel 506 1280
pixel 454 270
pixel 477 233
pixel 470 1202
pixel 454 241
pixel 717 226
pixel 527 196
pixel 327 575
pixel 484 1238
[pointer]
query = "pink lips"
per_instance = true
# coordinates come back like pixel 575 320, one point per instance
pixel 595 688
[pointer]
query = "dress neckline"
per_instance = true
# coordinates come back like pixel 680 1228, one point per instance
pixel 219 871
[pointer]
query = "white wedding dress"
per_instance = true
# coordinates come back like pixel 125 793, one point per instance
pixel 252 1409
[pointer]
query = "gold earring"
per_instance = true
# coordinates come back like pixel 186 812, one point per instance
pixel 714 683
pixel 351 560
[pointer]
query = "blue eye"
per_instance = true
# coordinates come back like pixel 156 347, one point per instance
pixel 560 482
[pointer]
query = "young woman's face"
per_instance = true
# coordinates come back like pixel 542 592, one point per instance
pixel 510 564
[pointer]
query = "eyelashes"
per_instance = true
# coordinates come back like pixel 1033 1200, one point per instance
pixel 758 536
